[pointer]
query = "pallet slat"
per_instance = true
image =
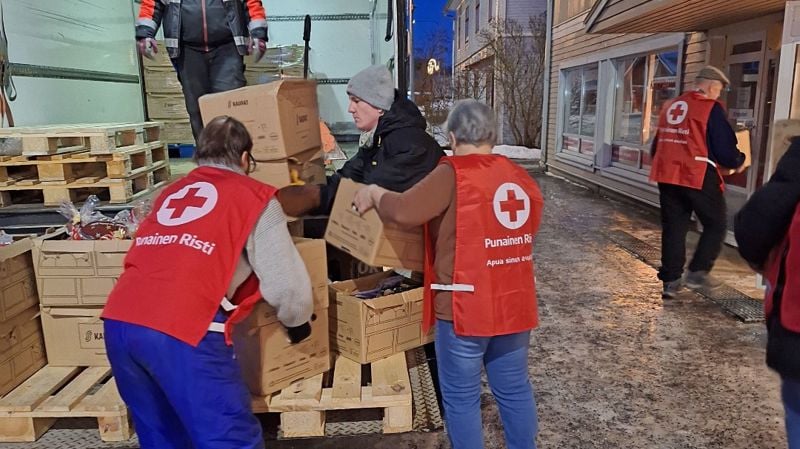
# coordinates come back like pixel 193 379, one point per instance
pixel 37 389
pixel 346 379
pixel 64 392
pixel 73 393
pixel 303 405
pixel 101 138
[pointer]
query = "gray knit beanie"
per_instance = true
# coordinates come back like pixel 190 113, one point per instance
pixel 373 85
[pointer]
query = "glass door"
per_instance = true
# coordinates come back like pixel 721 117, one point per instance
pixel 747 108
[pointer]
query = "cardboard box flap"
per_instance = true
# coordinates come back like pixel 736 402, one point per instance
pixel 15 249
pixel 73 312
pixel 84 246
pixel 307 156
pixel 386 302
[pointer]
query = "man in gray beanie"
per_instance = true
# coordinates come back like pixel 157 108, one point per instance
pixel 395 150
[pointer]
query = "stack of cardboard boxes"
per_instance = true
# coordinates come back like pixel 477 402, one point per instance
pixel 279 62
pixel 21 346
pixel 282 118
pixel 372 329
pixel 74 279
pixel 165 101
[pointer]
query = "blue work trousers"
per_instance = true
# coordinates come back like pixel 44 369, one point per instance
pixel 182 397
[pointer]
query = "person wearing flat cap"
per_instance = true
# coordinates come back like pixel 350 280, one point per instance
pixel 395 150
pixel 694 145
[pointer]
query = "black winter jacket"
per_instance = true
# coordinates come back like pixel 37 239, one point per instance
pixel 764 220
pixel 401 154
pixel 760 226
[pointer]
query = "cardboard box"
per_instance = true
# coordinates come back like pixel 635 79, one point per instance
pixel 744 145
pixel 166 107
pixel 368 239
pixel 177 131
pixel 296 227
pixel 373 329
pixel 269 361
pixel 77 272
pixel 309 167
pixel 17 279
pixel 160 59
pixel 21 349
pixel 73 336
pixel 161 80
pixel 254 77
pixel 313 252
pixel 282 117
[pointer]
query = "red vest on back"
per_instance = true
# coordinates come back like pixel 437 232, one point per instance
pixel 783 278
pixel 185 252
pixel 682 149
pixel 498 212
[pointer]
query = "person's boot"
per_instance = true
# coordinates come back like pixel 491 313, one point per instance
pixel 702 280
pixel 671 289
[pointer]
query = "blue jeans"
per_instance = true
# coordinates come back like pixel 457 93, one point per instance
pixel 181 397
pixel 790 390
pixel 460 360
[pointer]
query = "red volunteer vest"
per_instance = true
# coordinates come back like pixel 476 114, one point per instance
pixel 782 270
pixel 682 149
pixel 185 252
pixel 498 212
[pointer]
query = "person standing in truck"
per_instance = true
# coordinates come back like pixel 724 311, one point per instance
pixel 207 41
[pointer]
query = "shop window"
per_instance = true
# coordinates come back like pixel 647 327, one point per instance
pixel 580 109
pixel 643 85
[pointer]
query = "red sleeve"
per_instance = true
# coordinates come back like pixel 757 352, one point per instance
pixel 254 7
pixel 147 10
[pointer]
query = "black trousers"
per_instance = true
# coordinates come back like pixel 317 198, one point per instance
pixel 677 205
pixel 218 70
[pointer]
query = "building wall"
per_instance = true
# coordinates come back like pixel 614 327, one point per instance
pixel 519 10
pixel 572 47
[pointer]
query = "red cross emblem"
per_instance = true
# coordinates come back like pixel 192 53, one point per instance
pixel 188 204
pixel 512 206
pixel 677 112
pixel 179 205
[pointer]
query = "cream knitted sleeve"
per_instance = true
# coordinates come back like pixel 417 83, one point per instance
pixel 277 264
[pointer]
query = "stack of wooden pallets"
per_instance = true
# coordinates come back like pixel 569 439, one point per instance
pixel 117 161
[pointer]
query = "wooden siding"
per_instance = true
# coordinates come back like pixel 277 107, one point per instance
pixel 678 15
pixel 695 57
pixel 571 41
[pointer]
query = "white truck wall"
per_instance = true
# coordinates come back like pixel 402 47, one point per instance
pixel 74 39
pixel 346 37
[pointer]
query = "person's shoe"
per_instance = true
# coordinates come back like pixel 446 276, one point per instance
pixel 671 289
pixel 702 280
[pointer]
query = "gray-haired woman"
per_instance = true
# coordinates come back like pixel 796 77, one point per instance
pixel 481 213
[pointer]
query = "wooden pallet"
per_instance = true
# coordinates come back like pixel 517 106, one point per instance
pixel 115 191
pixel 303 404
pixel 64 392
pixel 103 138
pixel 66 168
